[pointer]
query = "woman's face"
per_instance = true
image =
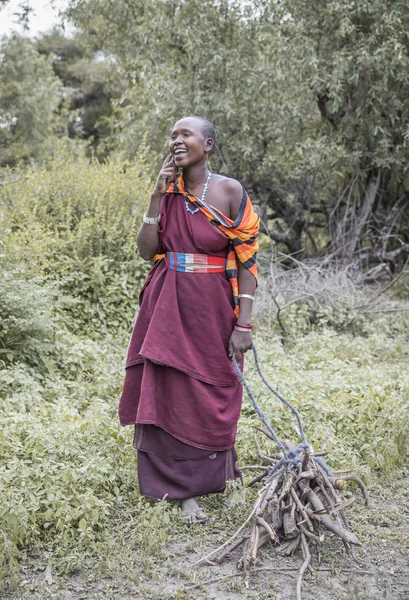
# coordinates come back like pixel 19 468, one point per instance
pixel 187 143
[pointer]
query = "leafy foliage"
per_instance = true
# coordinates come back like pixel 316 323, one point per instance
pixel 358 384
pixel 67 467
pixel 309 100
pixel 29 101
pixel 26 329
pixel 90 83
pixel 75 222
pixel 353 57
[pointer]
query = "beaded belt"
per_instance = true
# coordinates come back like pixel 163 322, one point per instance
pixel 195 263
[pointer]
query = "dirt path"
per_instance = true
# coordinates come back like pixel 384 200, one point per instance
pixel 380 572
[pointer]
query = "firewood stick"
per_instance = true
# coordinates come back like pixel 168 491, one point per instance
pixel 269 530
pixel 263 540
pixel 305 460
pixel 287 485
pixel 253 543
pixel 289 547
pixel 250 543
pixel 268 493
pixel 304 566
pixel 341 506
pixel 276 570
pixel 254 468
pixel 329 501
pixel 256 479
pixel 289 524
pixel 262 455
pixel 301 509
pixel 276 516
pixel 329 483
pixel 307 533
pixel 333 492
pixel 246 565
pixel 318 515
pixel 293 508
pixel 317 505
pixel 257 504
pixel 341 470
pixel 339 484
pixel 310 474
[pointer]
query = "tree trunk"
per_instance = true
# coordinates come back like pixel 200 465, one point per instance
pixel 355 235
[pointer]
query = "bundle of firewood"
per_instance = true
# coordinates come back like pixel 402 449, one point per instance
pixel 298 501
pixel 296 504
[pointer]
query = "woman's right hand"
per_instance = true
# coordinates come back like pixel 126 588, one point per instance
pixel 166 175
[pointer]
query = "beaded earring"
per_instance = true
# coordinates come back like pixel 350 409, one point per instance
pixel 206 156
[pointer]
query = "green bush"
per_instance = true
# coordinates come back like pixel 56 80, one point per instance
pixel 75 221
pixel 305 317
pixel 67 467
pixel 357 384
pixel 26 329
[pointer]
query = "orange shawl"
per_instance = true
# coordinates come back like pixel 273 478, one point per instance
pixel 243 234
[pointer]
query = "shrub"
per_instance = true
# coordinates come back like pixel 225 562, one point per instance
pixel 26 329
pixel 75 221
pixel 357 384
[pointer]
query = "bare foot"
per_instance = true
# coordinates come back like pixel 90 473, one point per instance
pixel 192 513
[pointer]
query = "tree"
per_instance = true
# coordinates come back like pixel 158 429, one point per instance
pixel 354 58
pixel 23 13
pixel 309 100
pixel 30 95
pixel 90 82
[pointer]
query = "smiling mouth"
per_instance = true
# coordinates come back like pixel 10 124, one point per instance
pixel 177 153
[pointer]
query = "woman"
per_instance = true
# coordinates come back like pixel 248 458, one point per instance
pixel 180 389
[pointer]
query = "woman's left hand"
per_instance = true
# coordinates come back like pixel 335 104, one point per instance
pixel 239 343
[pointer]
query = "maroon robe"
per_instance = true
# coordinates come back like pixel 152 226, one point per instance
pixel 180 387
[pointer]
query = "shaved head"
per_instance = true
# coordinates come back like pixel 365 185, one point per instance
pixel 207 127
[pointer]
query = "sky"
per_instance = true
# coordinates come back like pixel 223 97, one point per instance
pixel 44 17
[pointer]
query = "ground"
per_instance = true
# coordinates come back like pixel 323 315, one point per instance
pixel 381 569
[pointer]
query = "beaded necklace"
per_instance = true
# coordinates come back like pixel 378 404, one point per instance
pixel 203 198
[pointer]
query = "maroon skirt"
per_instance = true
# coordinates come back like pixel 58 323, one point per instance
pixel 171 470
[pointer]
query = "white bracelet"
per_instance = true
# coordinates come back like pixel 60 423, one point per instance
pixel 246 296
pixel 151 220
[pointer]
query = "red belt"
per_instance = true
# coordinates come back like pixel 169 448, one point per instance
pixel 195 263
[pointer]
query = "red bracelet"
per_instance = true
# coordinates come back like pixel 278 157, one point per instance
pixel 246 328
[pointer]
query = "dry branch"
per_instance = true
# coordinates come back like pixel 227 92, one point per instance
pixel 304 566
